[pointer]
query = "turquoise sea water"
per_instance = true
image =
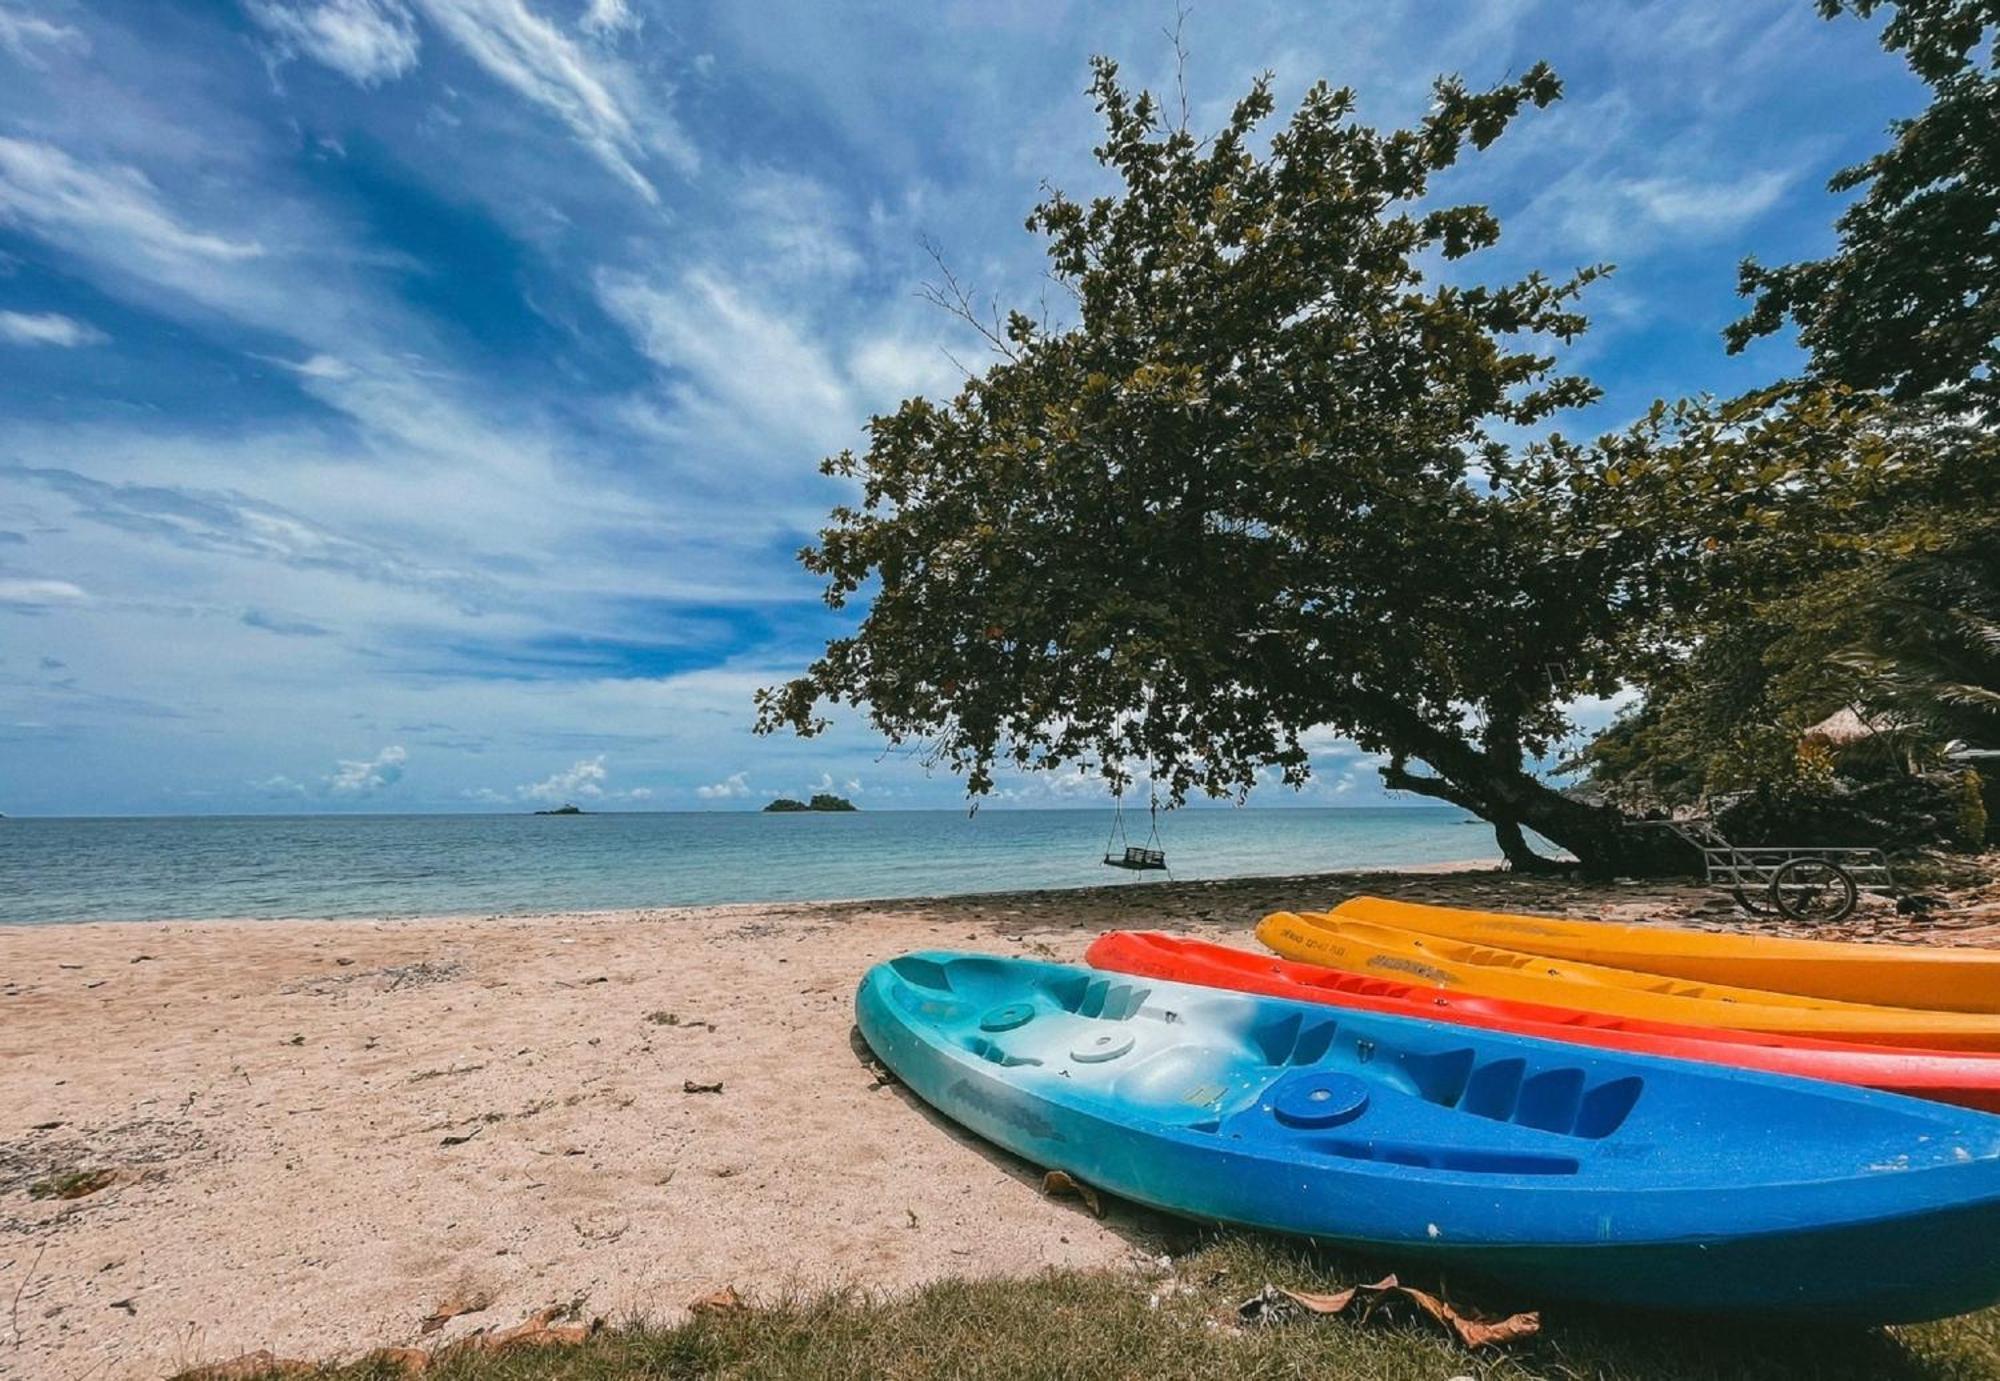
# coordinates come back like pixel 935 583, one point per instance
pixel 407 865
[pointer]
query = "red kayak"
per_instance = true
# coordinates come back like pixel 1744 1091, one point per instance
pixel 1946 1076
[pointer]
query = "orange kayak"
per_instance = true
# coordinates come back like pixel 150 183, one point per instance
pixel 1357 946
pixel 1928 977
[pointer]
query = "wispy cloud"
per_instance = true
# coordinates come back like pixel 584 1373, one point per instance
pixel 43 187
pixel 38 594
pixel 608 18
pixel 27 37
pixel 283 626
pixel 531 56
pixel 48 328
pixel 234 523
pixel 368 41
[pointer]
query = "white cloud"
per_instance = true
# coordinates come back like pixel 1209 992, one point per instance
pixel 584 778
pixel 609 18
pixel 45 188
pixel 21 34
pixel 368 41
pixel 1679 204
pixel 48 328
pixel 364 778
pixel 526 52
pixel 36 594
pixel 1600 214
pixel 892 368
pixel 744 370
pixel 734 785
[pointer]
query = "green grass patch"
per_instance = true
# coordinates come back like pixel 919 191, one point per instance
pixel 71 1184
pixel 1098 1325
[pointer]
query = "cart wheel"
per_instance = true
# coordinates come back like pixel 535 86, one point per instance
pixel 1755 905
pixel 1814 891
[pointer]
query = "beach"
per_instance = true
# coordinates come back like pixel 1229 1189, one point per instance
pixel 322 1134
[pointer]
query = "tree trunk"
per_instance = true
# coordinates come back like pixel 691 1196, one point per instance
pixel 1492 783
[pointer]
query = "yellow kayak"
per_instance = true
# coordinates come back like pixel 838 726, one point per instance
pixel 1357 946
pixel 1933 978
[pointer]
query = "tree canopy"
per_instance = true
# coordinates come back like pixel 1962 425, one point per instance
pixel 1909 303
pixel 1252 489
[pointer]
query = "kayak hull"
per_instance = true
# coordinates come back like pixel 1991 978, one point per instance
pixel 1970 1080
pixel 1562 1171
pixel 1928 977
pixel 1342 942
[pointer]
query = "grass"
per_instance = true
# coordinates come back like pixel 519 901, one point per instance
pixel 1099 1326
pixel 71 1184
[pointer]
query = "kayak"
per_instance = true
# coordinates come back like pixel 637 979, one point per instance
pixel 1971 1080
pixel 1587 1174
pixel 1931 977
pixel 1363 947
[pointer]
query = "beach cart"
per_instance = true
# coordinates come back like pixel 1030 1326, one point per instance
pixel 1814 885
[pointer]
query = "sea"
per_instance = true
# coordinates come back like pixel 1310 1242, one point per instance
pixel 303 866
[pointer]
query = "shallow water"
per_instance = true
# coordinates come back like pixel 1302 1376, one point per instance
pixel 407 865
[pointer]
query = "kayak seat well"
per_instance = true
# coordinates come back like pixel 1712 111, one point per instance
pixel 1100 998
pixel 1549 1100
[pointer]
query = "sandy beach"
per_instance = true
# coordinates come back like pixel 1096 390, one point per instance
pixel 323 1133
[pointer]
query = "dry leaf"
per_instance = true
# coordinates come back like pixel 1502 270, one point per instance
pixel 1062 1182
pixel 1273 1303
pixel 723 1301
pixel 411 1361
pixel 539 1330
pixel 451 1306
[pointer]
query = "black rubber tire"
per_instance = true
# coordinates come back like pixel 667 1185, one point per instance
pixel 1756 906
pixel 1814 891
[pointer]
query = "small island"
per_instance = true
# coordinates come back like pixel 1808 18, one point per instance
pixel 566 808
pixel 822 801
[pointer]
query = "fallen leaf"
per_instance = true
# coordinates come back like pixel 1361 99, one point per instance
pixel 451 1306
pixel 1058 1182
pixel 411 1361
pixel 723 1301
pixel 539 1330
pixel 1273 1304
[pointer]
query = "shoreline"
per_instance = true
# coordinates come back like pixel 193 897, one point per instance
pixel 318 1135
pixel 1084 891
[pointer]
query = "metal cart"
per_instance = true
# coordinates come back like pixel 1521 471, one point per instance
pixel 1817 886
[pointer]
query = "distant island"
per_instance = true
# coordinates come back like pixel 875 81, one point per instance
pixel 567 808
pixel 822 801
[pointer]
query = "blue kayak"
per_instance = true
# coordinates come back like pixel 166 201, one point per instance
pixel 1563 1170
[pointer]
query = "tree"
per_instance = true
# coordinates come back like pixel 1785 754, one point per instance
pixel 1250 491
pixel 1814 550
pixel 1910 303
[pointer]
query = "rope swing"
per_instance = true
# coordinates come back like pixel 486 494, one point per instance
pixel 1121 852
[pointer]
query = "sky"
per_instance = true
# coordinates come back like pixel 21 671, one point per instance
pixel 417 404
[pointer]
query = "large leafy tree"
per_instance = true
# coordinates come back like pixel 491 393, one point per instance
pixel 1252 488
pixel 1813 551
pixel 1909 303
pixel 1837 542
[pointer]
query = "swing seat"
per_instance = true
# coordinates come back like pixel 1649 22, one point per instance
pixel 1138 859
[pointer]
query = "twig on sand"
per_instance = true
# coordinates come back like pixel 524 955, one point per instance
pixel 14 1311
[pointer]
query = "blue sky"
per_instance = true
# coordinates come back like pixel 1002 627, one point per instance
pixel 415 404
